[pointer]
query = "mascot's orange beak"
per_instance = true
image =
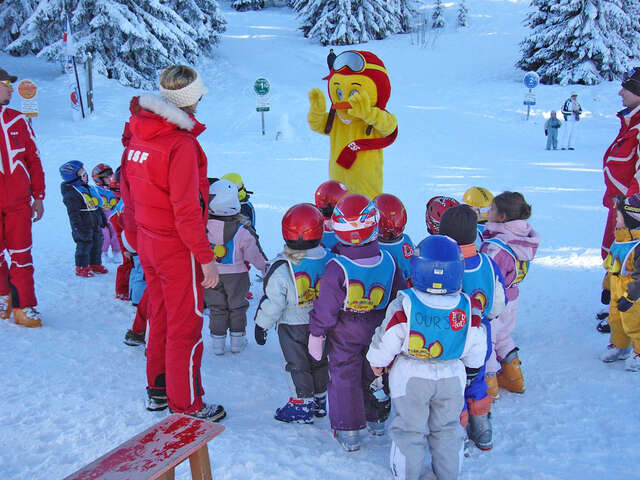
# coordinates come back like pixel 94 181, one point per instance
pixel 342 106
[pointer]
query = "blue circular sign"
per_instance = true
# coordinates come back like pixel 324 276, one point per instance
pixel 531 80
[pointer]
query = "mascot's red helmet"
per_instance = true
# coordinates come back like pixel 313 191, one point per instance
pixel 361 62
pixel 393 216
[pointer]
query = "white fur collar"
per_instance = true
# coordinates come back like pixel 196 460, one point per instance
pixel 166 110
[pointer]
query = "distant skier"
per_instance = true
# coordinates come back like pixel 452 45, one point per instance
pixel 551 127
pixel 330 59
pixel 571 110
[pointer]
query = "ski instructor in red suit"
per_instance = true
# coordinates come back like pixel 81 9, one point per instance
pixel 21 179
pixel 164 183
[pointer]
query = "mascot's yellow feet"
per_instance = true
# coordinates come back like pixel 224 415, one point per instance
pixel 510 376
pixel 5 306
pixel 27 317
pixel 492 387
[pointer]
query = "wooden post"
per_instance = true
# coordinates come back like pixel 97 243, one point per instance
pixel 90 83
pixel 200 464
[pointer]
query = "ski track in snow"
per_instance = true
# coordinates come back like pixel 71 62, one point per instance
pixel 72 391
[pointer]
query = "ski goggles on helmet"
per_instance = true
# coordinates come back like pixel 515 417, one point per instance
pixel 355 62
pixel 628 76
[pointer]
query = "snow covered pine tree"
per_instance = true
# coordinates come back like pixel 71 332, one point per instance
pixel 437 18
pixel 462 14
pixel 244 5
pixel 577 41
pixel 129 40
pixel 12 15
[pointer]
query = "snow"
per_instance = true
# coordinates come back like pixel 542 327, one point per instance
pixel 73 391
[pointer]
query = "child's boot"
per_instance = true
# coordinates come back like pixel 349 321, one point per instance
pixel 480 431
pixel 492 386
pixel 84 272
pixel 296 410
pixel 510 376
pixel 27 317
pixel 349 440
pixel 613 353
pixel 5 306
pixel 218 344
pixel 238 342
pixel 134 339
pixel 98 269
pixel 319 407
pixel 376 428
pixel 632 363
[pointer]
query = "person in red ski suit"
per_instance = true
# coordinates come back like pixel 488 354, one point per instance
pixel 21 179
pixel 164 181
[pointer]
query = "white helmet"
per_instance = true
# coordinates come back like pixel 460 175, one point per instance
pixel 223 198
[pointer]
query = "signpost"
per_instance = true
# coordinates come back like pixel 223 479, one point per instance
pixel 261 87
pixel 28 91
pixel 531 80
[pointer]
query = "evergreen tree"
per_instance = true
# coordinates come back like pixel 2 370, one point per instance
pixel 244 5
pixel 632 9
pixel 129 40
pixel 577 41
pixel 347 22
pixel 462 14
pixel 406 11
pixel 13 13
pixel 437 18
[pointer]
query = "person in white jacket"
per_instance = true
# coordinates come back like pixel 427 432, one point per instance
pixel 434 343
pixel 291 285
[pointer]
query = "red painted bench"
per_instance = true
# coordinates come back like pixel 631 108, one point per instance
pixel 156 452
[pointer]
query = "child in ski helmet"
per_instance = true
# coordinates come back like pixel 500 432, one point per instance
pixel 479 199
pixel 512 243
pixel 233 242
pixel 623 265
pixel 436 206
pixel 357 285
pixel 102 175
pixel 391 236
pixel 291 285
pixel 327 195
pixel 482 281
pixel 87 219
pixel 246 207
pixel 431 361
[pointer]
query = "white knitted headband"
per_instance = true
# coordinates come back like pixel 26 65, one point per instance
pixel 185 96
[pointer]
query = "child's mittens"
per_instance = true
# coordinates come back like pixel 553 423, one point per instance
pixel 316 346
pixel 624 304
pixel 377 371
pixel 546 132
pixel 605 296
pixel 260 334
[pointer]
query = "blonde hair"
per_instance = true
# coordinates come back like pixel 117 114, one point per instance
pixel 294 255
pixel 175 77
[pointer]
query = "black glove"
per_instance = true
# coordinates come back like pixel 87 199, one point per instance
pixel 624 304
pixel 546 132
pixel 260 334
pixel 605 297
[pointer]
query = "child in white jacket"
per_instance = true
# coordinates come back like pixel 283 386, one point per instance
pixel 434 344
pixel 291 285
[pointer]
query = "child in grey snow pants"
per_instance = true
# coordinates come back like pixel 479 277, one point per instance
pixel 551 127
pixel 228 304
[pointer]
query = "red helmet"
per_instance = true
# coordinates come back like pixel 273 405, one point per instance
pixel 327 195
pixel 355 220
pixel 302 226
pixel 393 216
pixel 435 208
pixel 101 174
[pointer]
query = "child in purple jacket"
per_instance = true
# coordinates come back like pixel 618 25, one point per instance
pixel 357 286
pixel 511 242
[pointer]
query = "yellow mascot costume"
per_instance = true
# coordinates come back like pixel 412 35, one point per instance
pixel 359 89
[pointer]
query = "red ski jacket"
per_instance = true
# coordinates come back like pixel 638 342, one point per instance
pixel 621 163
pixel 21 175
pixel 164 174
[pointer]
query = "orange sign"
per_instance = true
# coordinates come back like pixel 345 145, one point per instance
pixel 27 89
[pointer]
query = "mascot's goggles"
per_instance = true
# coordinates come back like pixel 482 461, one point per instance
pixel 354 61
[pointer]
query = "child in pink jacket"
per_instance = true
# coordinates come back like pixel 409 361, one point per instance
pixel 511 242
pixel 234 242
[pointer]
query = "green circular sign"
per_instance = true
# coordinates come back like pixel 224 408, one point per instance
pixel 261 86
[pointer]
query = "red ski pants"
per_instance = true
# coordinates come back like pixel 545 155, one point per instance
pixel 174 345
pixel 142 315
pixel 15 237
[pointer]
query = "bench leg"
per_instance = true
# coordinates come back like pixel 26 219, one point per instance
pixel 200 465
pixel 168 475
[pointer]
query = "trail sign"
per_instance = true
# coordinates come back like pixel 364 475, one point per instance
pixel 531 80
pixel 28 91
pixel 261 86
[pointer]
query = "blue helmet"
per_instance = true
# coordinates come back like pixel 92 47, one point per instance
pixel 437 265
pixel 69 170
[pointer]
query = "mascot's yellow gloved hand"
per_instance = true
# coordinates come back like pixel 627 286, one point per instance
pixel 361 106
pixel 317 102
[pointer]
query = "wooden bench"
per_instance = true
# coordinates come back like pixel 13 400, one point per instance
pixel 156 452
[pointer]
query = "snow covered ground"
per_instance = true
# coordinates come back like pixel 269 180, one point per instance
pixel 71 390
